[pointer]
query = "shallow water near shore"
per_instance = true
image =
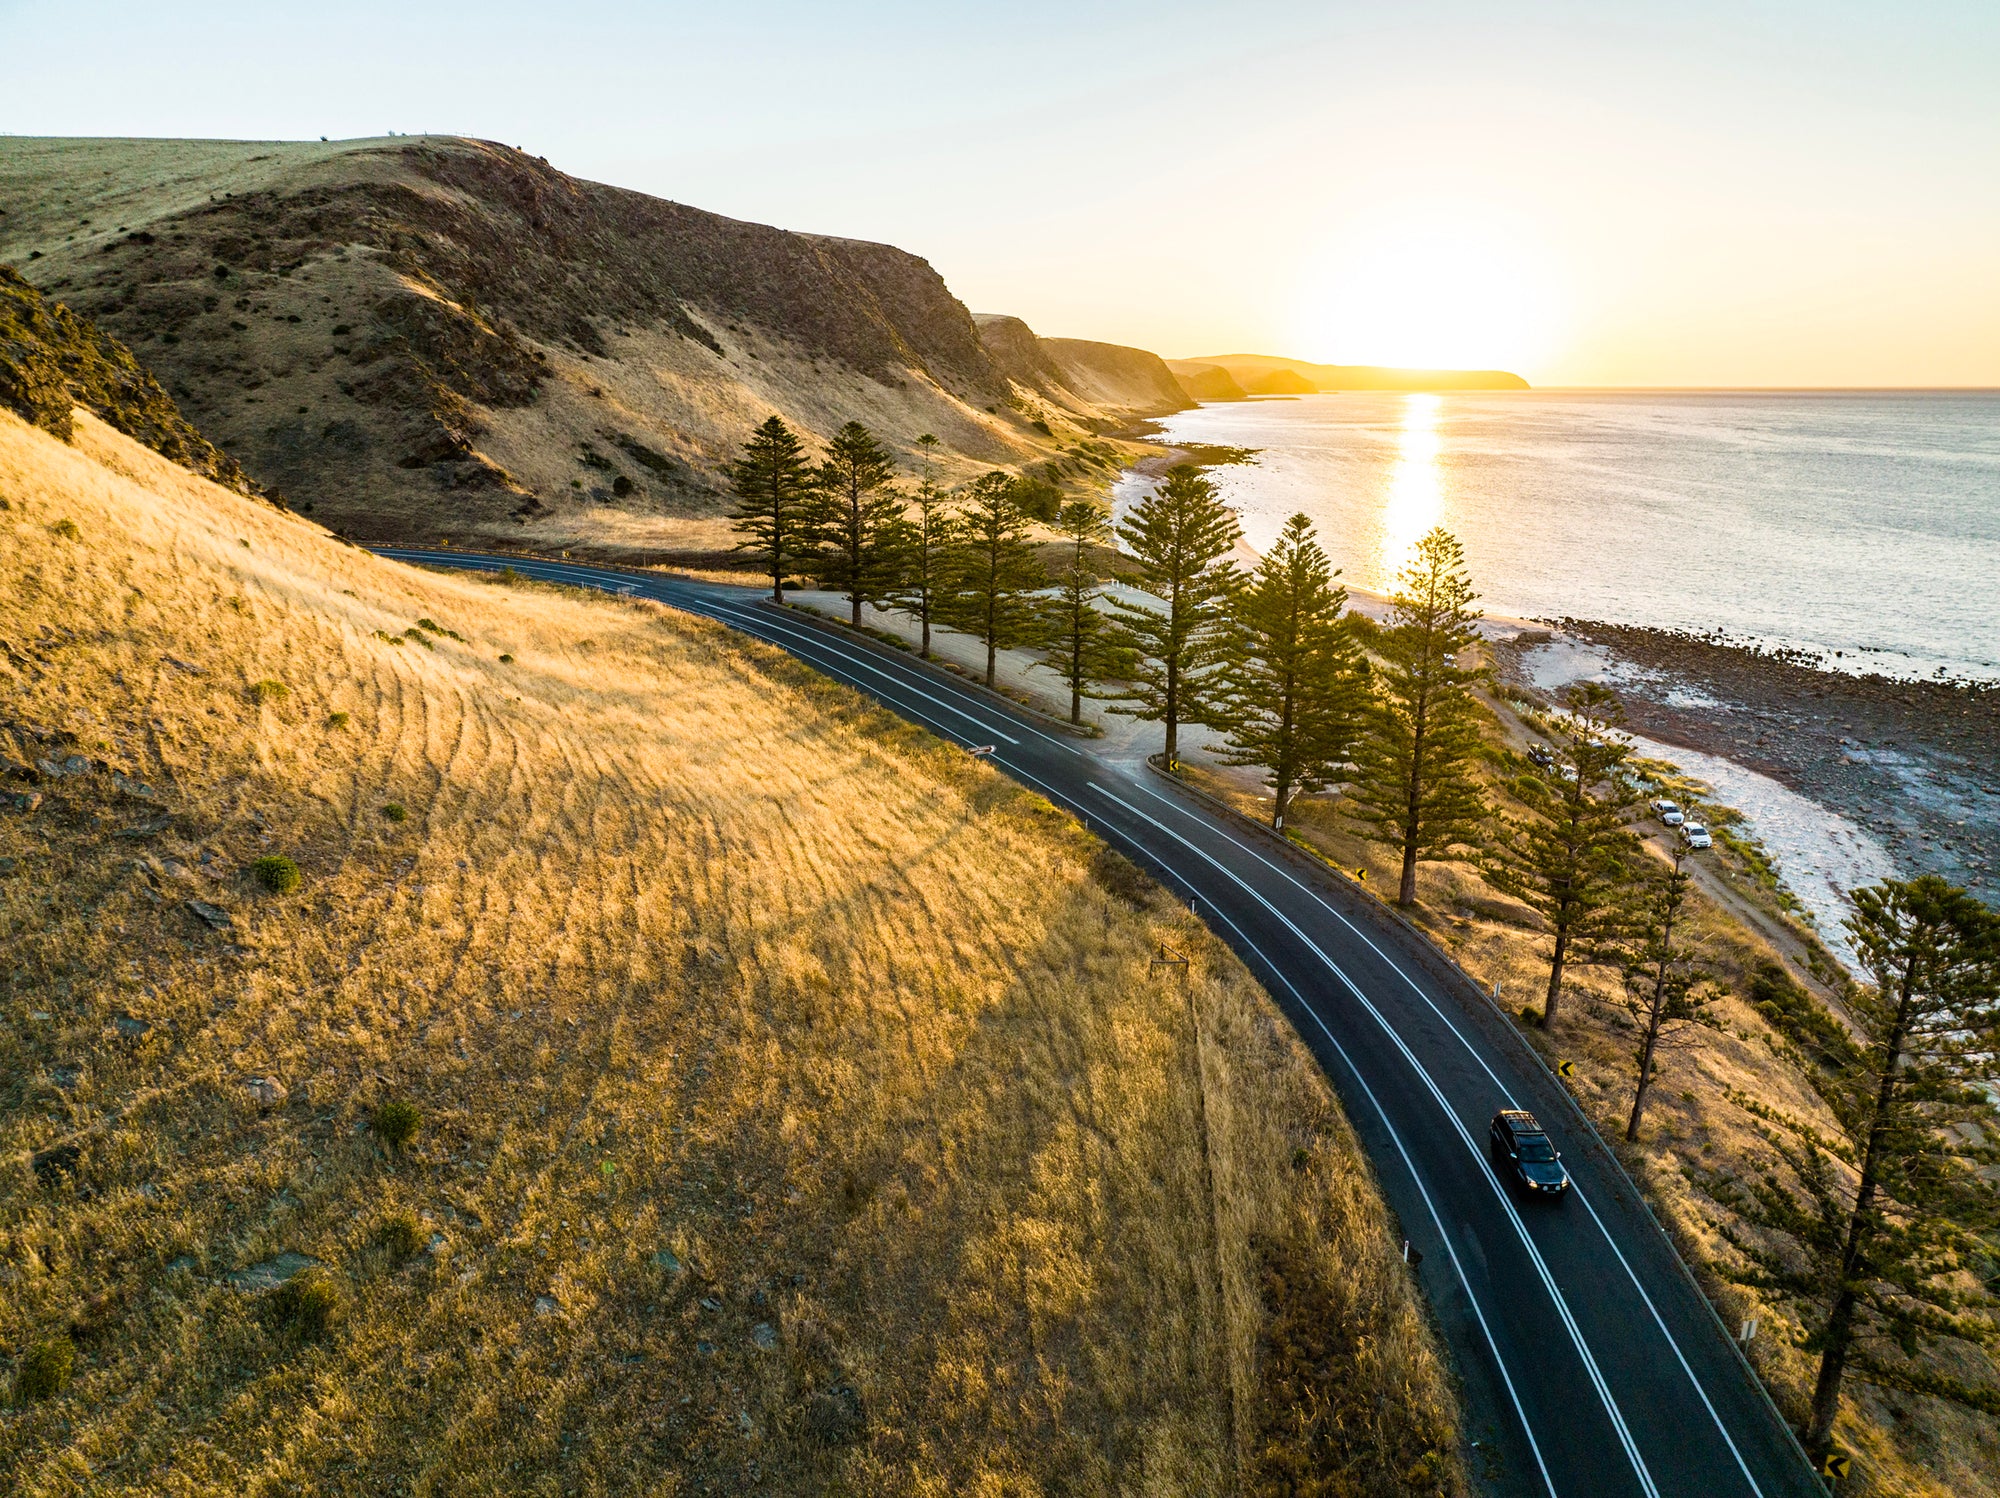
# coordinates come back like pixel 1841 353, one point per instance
pixel 1861 526
pixel 1820 854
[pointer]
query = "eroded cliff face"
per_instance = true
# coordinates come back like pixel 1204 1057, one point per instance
pixel 425 336
pixel 1100 384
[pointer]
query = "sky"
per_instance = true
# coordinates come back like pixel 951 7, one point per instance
pixel 1751 194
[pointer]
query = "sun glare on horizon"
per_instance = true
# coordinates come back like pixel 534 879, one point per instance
pixel 1431 290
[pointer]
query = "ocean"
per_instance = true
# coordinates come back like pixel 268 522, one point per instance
pixel 1863 526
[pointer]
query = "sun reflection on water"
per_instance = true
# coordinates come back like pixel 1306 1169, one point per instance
pixel 1416 491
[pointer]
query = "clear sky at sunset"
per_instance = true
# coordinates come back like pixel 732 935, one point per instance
pixel 1745 194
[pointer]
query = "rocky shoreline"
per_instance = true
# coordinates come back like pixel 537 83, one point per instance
pixel 1917 763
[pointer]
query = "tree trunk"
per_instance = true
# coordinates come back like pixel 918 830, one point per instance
pixel 1555 980
pixel 1832 1364
pixel 1172 714
pixel 992 653
pixel 925 653
pixel 1840 1324
pixel 854 602
pixel 1075 705
pixel 1282 797
pixel 1645 1077
pixel 1406 892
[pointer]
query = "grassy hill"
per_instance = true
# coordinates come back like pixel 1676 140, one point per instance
pixel 424 336
pixel 796 1103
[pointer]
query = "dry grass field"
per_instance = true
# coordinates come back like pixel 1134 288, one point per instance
pixel 799 1108
pixel 1708 1117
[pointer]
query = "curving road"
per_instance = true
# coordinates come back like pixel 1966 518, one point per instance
pixel 1591 1365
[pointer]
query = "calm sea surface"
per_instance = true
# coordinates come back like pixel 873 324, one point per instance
pixel 1865 524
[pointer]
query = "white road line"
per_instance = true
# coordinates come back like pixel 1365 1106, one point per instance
pixel 1506 1095
pixel 834 647
pixel 1556 1297
pixel 830 648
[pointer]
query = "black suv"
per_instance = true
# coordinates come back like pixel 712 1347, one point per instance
pixel 1525 1154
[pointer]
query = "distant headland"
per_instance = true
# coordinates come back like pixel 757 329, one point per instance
pixel 1224 377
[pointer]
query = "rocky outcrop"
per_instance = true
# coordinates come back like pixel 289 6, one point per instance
pixel 52 361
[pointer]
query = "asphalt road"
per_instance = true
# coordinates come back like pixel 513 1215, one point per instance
pixel 1591 1365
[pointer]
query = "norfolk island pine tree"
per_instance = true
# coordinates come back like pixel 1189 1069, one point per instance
pixel 1080 640
pixel 1668 989
pixel 1181 535
pixel 992 569
pixel 928 544
pixel 1415 787
pixel 855 519
pixel 1573 860
pixel 774 495
pixel 1876 1250
pixel 1293 682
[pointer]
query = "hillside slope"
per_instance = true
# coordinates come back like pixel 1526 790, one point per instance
pixel 430 335
pixel 800 1107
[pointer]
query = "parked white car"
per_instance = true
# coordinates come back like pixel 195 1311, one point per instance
pixel 1669 812
pixel 1696 836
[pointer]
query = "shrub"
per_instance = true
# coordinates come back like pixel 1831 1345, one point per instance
pixel 396 812
pixel 306 1305
pixel 276 873
pixel 621 486
pixel 400 1235
pixel 67 530
pixel 396 1123
pixel 336 720
pixel 506 659
pixel 268 690
pixel 45 1370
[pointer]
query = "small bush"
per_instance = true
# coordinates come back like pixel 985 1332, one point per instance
pixel 509 575
pixel 306 1305
pixel 396 1123
pixel 45 1371
pixel 400 1235
pixel 67 530
pixel 395 811
pixel 506 659
pixel 276 873
pixel 1530 1015
pixel 336 720
pixel 268 690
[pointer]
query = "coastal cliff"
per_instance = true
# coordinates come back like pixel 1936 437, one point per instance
pixel 1211 377
pixel 423 336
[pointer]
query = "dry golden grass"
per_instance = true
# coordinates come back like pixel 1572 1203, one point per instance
pixel 777 1065
pixel 1706 1119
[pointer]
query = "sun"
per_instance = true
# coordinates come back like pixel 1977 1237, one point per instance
pixel 1429 288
